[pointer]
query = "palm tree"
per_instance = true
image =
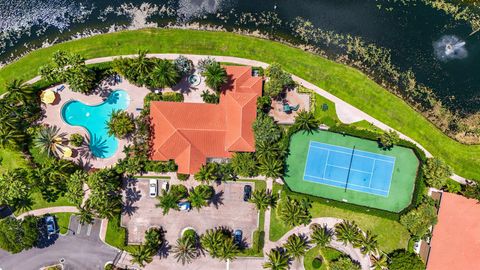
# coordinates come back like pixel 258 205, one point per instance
pixel 19 92
pixel 379 263
pixel 277 260
pixel 296 246
pixel 120 124
pixel 207 173
pixel 164 74
pixel 49 140
pixel 200 195
pixel 294 212
pixel 85 216
pixel 228 249
pixel 167 201
pixel 211 241
pixel 271 168
pixel 215 75
pixel 306 121
pixel 347 232
pixel 141 255
pixel 185 250
pixel 368 243
pixel 154 238
pixel 321 235
pixel 142 66
pixel 263 198
pixel 10 138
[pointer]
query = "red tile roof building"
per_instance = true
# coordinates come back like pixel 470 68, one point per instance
pixel 456 237
pixel 190 133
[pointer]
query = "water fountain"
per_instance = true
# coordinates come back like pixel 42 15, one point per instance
pixel 450 47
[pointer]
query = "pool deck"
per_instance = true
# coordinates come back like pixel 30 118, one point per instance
pixel 53 117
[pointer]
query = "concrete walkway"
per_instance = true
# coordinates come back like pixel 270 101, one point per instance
pixel 50 210
pixel 345 112
pixel 354 253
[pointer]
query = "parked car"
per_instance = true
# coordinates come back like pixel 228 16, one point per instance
pixel 153 188
pixel 238 237
pixel 165 185
pixel 184 206
pixel 50 224
pixel 247 192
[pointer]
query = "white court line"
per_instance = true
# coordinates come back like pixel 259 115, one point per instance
pixel 340 167
pixel 333 145
pixel 371 175
pixel 343 183
pixel 350 154
pixel 330 185
pixel 326 164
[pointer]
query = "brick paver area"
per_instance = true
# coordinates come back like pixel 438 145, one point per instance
pixel 231 212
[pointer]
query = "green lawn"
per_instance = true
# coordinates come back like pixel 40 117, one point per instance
pixel 400 188
pixel 327 255
pixel 391 234
pixel 10 160
pixel 39 202
pixel 63 220
pixel 116 235
pixel 342 81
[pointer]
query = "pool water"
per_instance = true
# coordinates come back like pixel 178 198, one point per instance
pixel 95 119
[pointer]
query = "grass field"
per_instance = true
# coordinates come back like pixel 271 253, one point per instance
pixel 10 160
pixel 39 203
pixel 401 186
pixel 342 81
pixel 63 220
pixel 327 254
pixel 391 234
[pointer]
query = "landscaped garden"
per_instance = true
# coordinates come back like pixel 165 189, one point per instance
pixel 342 81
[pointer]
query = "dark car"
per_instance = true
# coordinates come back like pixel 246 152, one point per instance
pixel 50 223
pixel 247 192
pixel 238 237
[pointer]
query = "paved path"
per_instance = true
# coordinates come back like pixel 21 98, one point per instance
pixel 345 112
pixel 354 253
pixel 50 210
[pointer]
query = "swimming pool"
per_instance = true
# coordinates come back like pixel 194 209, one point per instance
pixel 94 119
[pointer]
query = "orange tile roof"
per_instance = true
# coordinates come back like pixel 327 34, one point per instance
pixel 190 133
pixel 456 238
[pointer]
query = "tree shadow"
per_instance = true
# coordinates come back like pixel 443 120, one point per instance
pixel 217 199
pixel 44 240
pixel 164 250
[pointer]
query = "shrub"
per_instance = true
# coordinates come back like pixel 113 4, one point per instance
pixel 210 98
pixel 215 75
pixel 419 220
pixel 453 186
pixel 160 166
pixel 120 124
pixel 316 263
pixel 244 164
pixel 182 176
pixel 264 104
pixel 436 172
pixel 183 65
pixel 151 97
pixel 204 63
pixel 76 139
pixel 388 139
pixel 172 96
pixel 278 80
pixel 404 260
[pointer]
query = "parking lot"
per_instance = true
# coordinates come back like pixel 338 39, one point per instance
pixel 229 210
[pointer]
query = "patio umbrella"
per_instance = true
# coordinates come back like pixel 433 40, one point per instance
pixel 48 96
pixel 67 152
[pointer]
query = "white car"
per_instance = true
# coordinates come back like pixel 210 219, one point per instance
pixel 153 188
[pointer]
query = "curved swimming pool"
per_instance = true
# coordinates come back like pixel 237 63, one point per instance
pixel 94 119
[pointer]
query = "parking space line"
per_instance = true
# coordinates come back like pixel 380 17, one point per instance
pixel 79 228
pixel 89 229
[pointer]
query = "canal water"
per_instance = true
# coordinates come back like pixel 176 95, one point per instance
pixel 438 49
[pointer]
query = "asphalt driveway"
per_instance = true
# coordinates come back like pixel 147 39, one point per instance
pixel 228 210
pixel 80 249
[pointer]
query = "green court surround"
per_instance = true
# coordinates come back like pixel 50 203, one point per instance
pixel 403 179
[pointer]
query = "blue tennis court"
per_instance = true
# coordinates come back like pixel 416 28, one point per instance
pixel 349 168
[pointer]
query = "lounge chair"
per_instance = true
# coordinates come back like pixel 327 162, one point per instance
pixel 60 88
pixel 295 108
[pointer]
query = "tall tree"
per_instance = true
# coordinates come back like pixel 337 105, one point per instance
pixel 15 187
pixel 19 92
pixel 215 75
pixel 436 172
pixel 388 139
pixel 164 74
pixel 347 232
pixel 296 246
pixel 263 198
pixel 277 260
pixel 120 124
pixel 141 256
pixel 49 140
pixel 207 173
pixel 379 263
pixel 244 164
pixel 419 220
pixel 75 183
pixel 200 195
pixel 185 250
pixel 271 168
pixel 167 201
pixel 266 130
pixel 294 212
pixel 228 249
pixel 212 241
pixel 321 235
pixel 403 260
pixel 368 243
pixel 306 121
